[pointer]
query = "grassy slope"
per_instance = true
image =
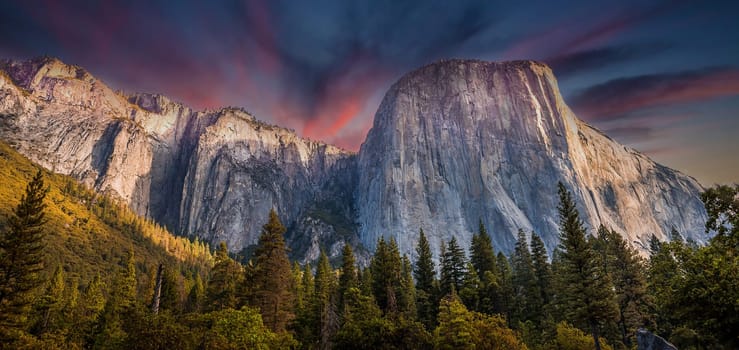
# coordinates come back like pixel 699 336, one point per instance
pixel 89 234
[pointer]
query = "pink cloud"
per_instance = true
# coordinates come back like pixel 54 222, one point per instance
pixel 621 96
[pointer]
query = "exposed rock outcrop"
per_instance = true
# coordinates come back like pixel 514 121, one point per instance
pixel 461 141
pixel 647 340
pixel 215 174
pixel 452 143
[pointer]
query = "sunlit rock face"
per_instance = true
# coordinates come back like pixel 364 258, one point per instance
pixel 214 174
pixel 453 143
pixel 461 141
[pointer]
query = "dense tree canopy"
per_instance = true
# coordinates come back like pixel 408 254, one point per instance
pixel 594 293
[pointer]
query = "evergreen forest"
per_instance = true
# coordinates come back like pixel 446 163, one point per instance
pixel 78 270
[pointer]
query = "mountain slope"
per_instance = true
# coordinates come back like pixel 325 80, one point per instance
pixel 90 234
pixel 453 143
pixel 461 141
pixel 213 174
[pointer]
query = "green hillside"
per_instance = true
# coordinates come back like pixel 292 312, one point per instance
pixel 89 234
pixel 596 292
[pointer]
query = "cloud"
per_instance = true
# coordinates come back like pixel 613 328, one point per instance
pixel 576 35
pixel 315 67
pixel 577 62
pixel 616 99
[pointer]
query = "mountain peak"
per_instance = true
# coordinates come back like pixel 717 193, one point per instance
pixel 29 73
pixel 460 65
pixel 453 143
pixel 460 141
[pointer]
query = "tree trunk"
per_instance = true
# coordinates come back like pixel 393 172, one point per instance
pixel 594 332
pixel 624 334
pixel 157 290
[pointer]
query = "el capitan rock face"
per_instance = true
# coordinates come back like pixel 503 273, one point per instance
pixel 461 141
pixel 453 143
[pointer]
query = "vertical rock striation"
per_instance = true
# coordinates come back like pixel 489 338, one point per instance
pixel 453 143
pixel 214 173
pixel 461 141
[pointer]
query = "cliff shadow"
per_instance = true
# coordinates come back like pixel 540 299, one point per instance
pixel 103 150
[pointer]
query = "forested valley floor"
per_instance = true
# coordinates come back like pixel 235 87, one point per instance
pixel 78 270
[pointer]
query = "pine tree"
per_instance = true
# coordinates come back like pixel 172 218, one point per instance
pixel 386 270
pixel 348 277
pixel 271 276
pixel 625 267
pixel 545 325
pixel 308 283
pixel 525 293
pixel 69 314
pixel 588 296
pixel 21 257
pixel 504 303
pixel 126 285
pixel 221 292
pixel 93 298
pixel 196 295
pixel 51 302
pixel 367 282
pixel 325 302
pixel 542 269
pixel 452 267
pixel 425 274
pixel 664 273
pixel 298 291
pixel 119 307
pixel 471 288
pixel 482 255
pixel 170 298
pixel 306 325
pixel 407 290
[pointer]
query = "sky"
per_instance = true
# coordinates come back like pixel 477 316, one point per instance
pixel 659 76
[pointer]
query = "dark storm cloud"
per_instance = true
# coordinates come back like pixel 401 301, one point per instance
pixel 570 35
pixel 616 98
pixel 321 67
pixel 319 46
pixel 574 63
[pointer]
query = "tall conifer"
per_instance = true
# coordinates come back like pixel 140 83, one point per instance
pixel 348 278
pixel 425 274
pixel 625 266
pixel 272 277
pixel 482 255
pixel 21 256
pixel 526 294
pixel 324 302
pixel 588 295
pixel 222 287
pixel 452 268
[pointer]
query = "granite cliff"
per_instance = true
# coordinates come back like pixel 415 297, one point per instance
pixel 453 143
pixel 462 141
pixel 214 173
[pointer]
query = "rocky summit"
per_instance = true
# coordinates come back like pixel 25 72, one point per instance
pixel 453 144
pixel 460 142
pixel 213 174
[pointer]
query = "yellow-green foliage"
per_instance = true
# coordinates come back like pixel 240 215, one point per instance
pixel 460 328
pixel 90 234
pixel 571 338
